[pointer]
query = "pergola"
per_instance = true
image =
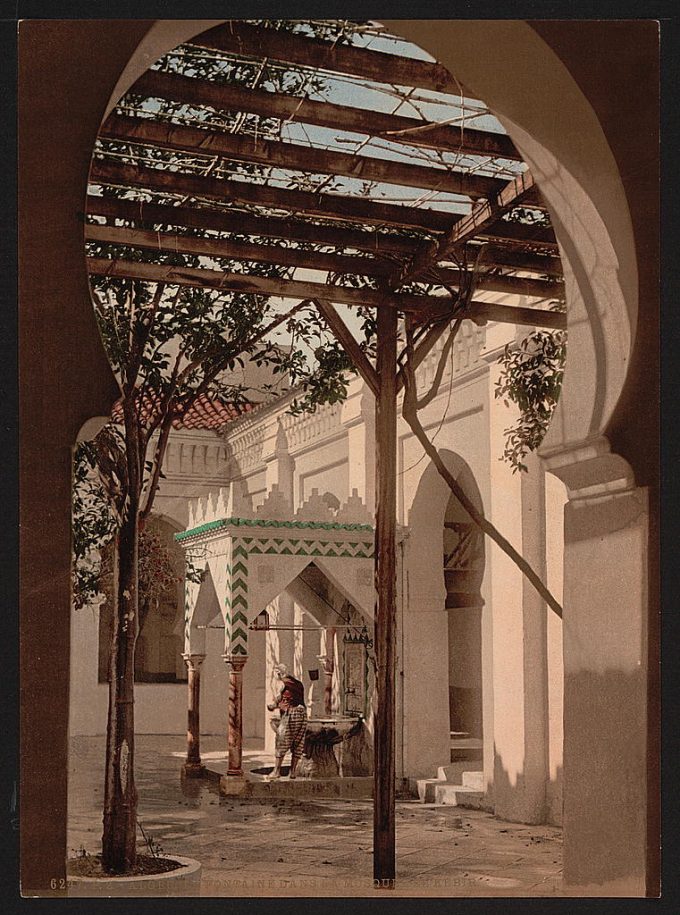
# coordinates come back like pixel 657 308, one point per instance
pixel 410 211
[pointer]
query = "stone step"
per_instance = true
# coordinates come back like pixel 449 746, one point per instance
pixel 453 772
pixel 455 795
pixel 466 754
pixel 249 787
pixel 475 800
pixel 455 775
pixel 426 788
pixel 474 780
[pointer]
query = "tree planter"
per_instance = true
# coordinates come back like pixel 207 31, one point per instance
pixel 185 880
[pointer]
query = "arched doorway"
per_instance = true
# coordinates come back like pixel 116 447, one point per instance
pixel 463 575
pixel 593 223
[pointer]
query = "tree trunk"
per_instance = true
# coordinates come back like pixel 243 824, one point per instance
pixel 120 795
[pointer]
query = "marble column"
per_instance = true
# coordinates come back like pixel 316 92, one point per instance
pixel 193 766
pixel 235 736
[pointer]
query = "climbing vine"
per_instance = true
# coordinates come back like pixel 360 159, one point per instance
pixel 531 378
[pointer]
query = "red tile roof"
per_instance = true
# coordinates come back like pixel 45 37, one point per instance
pixel 205 413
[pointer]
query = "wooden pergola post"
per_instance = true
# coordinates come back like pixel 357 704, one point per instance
pixel 386 585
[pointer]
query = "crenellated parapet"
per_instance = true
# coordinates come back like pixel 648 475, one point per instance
pixel 233 502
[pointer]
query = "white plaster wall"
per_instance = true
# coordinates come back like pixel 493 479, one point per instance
pixel 325 468
pixel 160 708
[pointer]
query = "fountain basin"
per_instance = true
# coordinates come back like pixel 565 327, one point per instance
pixel 322 735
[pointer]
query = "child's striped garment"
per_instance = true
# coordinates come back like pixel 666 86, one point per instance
pixel 291 732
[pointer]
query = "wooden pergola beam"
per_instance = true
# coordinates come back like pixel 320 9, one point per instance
pixel 235 250
pixel 424 307
pixel 481 312
pixel 484 214
pixel 395 128
pixel 500 256
pixel 165 243
pixel 265 286
pixel 328 206
pixel 294 156
pixel 522 235
pixel 193 217
pixel 241 38
pixel 378 243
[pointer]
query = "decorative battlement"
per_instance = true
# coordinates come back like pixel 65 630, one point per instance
pixel 231 506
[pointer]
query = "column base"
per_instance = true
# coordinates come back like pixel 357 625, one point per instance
pixel 193 770
pixel 236 772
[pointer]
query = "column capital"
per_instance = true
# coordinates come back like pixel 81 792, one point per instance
pixel 589 469
pixel 193 660
pixel 236 661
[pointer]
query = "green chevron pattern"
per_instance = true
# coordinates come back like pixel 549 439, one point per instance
pixel 236 598
pixel 261 522
pixel 275 546
pixel 238 577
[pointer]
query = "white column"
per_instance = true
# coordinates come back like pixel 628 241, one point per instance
pixel 605 668
pixel 504 742
pixel 555 499
pixel 535 624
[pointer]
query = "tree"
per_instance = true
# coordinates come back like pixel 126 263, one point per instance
pixel 169 346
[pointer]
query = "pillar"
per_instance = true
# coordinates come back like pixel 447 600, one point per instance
pixel 235 736
pixel 386 588
pixel 535 614
pixel 605 626
pixel 193 766
pixel 505 736
pixel 328 664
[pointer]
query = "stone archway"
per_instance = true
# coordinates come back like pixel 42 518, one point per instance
pixel 513 79
pixel 463 563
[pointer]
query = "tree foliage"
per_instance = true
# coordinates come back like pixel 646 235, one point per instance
pixel 531 378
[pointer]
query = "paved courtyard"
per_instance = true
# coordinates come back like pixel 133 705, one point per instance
pixel 310 847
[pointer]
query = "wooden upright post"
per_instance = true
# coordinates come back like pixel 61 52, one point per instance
pixel 386 582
